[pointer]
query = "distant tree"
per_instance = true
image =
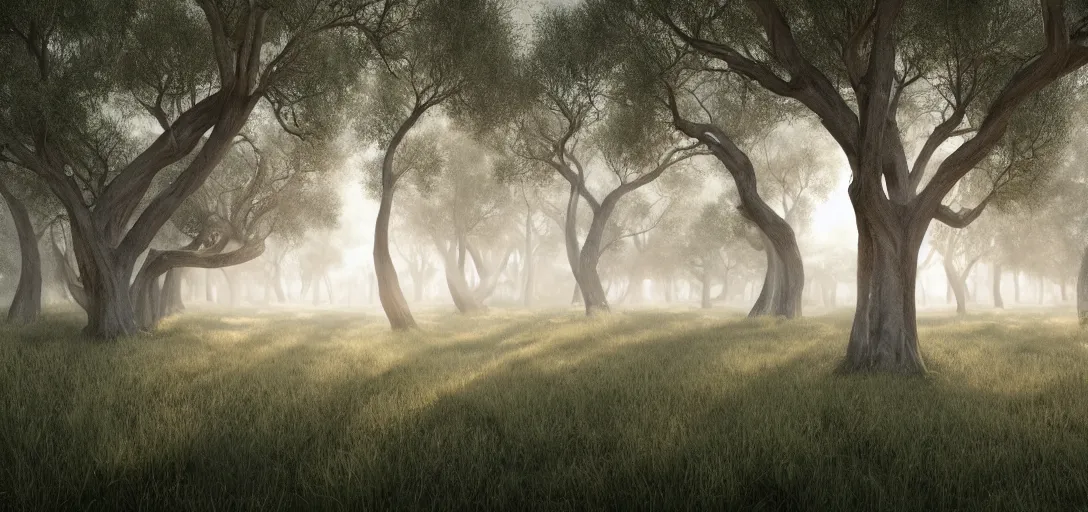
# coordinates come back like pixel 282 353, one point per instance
pixel 468 214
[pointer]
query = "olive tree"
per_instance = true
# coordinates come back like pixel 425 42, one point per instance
pixel 126 108
pixel 853 64
pixel 450 57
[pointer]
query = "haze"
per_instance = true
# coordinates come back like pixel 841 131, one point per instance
pixel 547 254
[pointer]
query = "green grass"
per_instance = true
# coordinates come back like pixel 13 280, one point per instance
pixel 637 411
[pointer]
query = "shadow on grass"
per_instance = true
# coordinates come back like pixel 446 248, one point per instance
pixel 631 412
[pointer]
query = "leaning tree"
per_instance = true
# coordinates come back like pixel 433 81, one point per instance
pixel 102 98
pixel 855 65
pixel 577 115
pixel 450 57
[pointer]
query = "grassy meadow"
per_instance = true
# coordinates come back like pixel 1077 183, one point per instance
pixel 523 411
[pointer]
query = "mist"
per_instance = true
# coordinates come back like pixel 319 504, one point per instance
pixel 547 254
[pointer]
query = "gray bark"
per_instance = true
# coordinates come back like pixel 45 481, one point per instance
pixel 26 305
pixel 999 301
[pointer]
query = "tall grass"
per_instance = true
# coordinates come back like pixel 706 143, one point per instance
pixel 638 411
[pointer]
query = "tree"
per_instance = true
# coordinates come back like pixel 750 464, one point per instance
pixel 578 113
pixel 84 76
pixel 706 238
pixel 468 215
pixel 856 65
pixel 269 182
pixel 28 203
pixel 453 55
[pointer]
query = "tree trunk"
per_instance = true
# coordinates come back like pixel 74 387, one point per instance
pixel 705 291
pixel 764 305
pixel 884 335
pixel 999 302
pixel 1016 285
pixel 528 266
pixel 1082 290
pixel 389 291
pixel 462 296
pixel 277 284
pixel 957 282
pixel 110 311
pixel 668 290
pixel 26 305
pixel 593 293
pixel 171 302
pixel 790 282
pixel 1065 296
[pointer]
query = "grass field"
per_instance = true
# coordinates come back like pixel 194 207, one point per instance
pixel 516 411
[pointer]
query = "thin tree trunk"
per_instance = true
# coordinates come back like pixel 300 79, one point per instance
pixel 26 305
pixel 389 291
pixel 1082 290
pixel 999 302
pixel 705 291
pixel 528 265
pixel 1016 285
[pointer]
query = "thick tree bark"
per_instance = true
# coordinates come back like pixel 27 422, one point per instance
pixel 884 335
pixel 26 305
pixel 999 301
pixel 1082 290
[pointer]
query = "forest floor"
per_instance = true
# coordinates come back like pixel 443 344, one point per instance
pixel 636 411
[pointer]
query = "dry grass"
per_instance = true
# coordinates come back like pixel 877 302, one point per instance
pixel 638 411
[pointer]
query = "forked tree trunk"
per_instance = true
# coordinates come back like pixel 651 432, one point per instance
pixel 1082 290
pixel 110 311
pixel 999 301
pixel 884 335
pixel 462 295
pixel 26 305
